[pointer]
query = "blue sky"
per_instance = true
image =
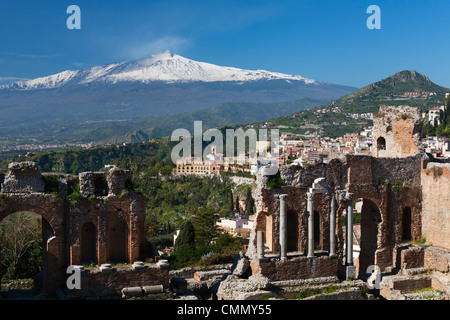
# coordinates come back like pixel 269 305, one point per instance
pixel 323 40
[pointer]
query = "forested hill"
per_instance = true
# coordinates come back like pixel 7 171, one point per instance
pixel 391 91
pixel 137 157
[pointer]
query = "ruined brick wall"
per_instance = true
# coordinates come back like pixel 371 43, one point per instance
pixel 108 215
pixel 408 257
pixel 399 130
pixel 97 283
pixel 297 268
pixel 23 177
pixel 436 204
pixel 438 259
pixel 86 224
pixel 51 208
pixel 387 186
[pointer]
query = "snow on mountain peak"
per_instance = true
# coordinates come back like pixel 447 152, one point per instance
pixel 166 67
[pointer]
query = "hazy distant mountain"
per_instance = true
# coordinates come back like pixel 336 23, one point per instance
pixel 225 114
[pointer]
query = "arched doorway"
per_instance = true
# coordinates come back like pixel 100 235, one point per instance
pixel 118 242
pixel 381 144
pixel 406 224
pixel 370 221
pixel 88 239
pixel 24 238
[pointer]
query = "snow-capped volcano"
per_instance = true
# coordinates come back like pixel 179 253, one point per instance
pixel 166 67
pixel 161 85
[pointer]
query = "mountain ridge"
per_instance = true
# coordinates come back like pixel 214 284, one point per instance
pixel 166 67
pixel 390 90
pixel 45 107
pixel 368 99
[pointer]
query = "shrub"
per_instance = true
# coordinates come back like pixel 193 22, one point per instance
pixel 275 181
pixel 437 172
pixel 51 184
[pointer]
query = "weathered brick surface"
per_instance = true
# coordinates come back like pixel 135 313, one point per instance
pixel 436 204
pixel 412 257
pixel 297 268
pixel 64 221
pixel 437 258
pixel 99 284
pixel 400 127
pixel 22 177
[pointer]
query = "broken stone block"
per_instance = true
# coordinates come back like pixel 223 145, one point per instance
pixel 240 265
pixel 131 292
pixel 106 267
pixel 23 177
pixel 117 180
pixel 207 275
pixel 138 265
pixel 179 284
pixel 163 264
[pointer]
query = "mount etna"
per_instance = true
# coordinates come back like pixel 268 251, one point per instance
pixel 54 107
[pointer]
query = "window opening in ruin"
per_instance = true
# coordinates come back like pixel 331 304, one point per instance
pixel 381 143
pixel 100 185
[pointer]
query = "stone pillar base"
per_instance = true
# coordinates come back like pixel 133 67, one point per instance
pixel 350 272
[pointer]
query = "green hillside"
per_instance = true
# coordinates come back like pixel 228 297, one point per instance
pixel 212 117
pixel 335 121
pixel 389 91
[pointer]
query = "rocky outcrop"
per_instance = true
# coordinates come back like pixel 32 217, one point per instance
pixel 234 288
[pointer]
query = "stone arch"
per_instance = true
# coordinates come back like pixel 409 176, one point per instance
pixel 371 219
pixel 88 243
pixel 53 260
pixel 264 222
pixel 381 143
pixel 118 242
pixel 406 224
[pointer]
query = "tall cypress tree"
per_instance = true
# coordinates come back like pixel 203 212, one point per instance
pixel 186 237
pixel 205 227
pixel 231 202
pixel 249 203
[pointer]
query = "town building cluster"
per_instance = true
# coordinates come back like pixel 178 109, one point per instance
pixel 312 148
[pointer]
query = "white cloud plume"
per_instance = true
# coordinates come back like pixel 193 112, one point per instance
pixel 171 43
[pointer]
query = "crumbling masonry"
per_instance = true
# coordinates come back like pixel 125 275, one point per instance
pixel 89 219
pixel 405 196
pixel 298 235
